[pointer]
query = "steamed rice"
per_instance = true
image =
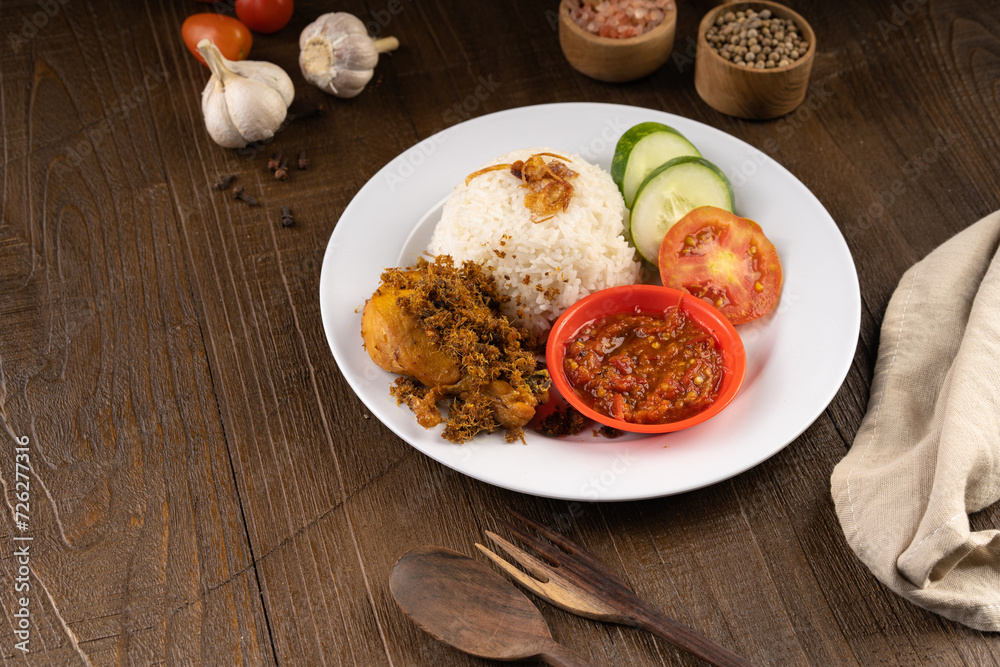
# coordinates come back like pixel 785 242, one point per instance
pixel 546 266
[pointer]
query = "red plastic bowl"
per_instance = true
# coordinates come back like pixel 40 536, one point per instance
pixel 650 299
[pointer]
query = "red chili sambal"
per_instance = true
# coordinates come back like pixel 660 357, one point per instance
pixel 645 368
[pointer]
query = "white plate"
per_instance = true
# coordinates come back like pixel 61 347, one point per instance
pixel 797 356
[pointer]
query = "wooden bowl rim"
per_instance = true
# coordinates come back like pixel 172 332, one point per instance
pixel 713 13
pixel 669 21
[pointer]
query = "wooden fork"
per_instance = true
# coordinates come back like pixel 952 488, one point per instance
pixel 574 580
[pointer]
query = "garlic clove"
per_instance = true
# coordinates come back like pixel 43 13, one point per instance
pixel 255 109
pixel 217 119
pixel 357 52
pixel 333 26
pixel 268 74
pixel 349 83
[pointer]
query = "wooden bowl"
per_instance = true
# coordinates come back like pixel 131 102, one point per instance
pixel 745 92
pixel 615 60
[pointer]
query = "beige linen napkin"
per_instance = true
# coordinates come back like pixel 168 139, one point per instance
pixel 928 451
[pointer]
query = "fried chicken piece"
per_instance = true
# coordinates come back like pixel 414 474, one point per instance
pixel 442 328
pixel 398 343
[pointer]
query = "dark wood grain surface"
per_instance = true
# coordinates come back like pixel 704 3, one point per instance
pixel 205 486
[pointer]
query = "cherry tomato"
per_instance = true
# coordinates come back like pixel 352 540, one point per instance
pixel 265 15
pixel 232 37
pixel 723 259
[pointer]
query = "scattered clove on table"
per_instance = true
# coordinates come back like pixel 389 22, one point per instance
pixel 303 163
pixel 286 217
pixel 281 173
pixel 224 182
pixel 242 196
pixel 274 161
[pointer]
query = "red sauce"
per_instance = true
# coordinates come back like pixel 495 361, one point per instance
pixel 643 368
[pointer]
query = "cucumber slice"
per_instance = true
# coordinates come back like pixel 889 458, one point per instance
pixel 642 149
pixel 669 193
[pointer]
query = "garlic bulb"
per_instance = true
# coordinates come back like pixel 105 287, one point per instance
pixel 245 100
pixel 337 55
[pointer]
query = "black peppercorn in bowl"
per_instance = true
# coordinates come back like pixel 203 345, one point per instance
pixel 754 59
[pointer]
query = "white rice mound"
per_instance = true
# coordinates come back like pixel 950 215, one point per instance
pixel 547 266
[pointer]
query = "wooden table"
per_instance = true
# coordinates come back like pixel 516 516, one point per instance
pixel 206 488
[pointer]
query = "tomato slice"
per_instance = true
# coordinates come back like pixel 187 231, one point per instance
pixel 232 37
pixel 724 259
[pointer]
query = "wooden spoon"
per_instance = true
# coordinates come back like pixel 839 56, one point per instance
pixel 464 603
